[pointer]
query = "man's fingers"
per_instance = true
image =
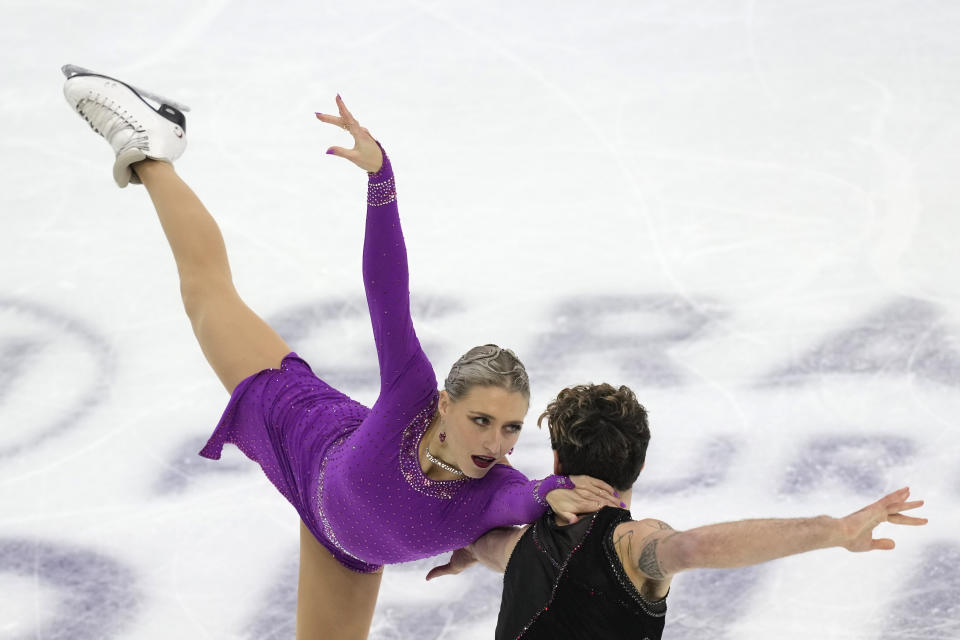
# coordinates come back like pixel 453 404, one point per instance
pixel 438 571
pixel 895 515
pixel 897 496
pixel 905 506
pixel 899 518
pixel 882 544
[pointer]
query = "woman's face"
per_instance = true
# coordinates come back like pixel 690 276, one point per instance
pixel 481 427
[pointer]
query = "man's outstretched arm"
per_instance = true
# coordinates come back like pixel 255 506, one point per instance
pixel 658 551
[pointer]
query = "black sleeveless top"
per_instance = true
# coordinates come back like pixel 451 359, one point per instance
pixel 567 582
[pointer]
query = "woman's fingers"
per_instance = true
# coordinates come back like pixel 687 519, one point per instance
pixel 586 501
pixel 366 153
pixel 349 154
pixel 603 498
pixel 335 120
pixel 606 487
pixel 345 113
pixel 601 491
pixel 596 498
pixel 339 122
pixel 590 502
pixel 346 122
pixel 589 482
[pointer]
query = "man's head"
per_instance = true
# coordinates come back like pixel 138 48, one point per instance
pixel 599 430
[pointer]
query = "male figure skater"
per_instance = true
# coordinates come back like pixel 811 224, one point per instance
pixel 606 575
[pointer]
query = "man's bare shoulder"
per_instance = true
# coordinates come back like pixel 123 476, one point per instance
pixel 634 532
pixel 644 527
pixel 636 544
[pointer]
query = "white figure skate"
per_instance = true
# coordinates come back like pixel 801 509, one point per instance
pixel 120 113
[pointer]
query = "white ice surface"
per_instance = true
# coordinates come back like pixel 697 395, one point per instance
pixel 746 211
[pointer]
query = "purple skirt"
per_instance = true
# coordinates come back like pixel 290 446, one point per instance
pixel 285 420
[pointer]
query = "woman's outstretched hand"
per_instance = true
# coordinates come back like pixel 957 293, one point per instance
pixel 587 496
pixel 366 153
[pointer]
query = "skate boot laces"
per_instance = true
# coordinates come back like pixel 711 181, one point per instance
pixel 109 119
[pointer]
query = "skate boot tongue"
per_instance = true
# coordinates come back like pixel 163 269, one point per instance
pixel 107 119
pixel 125 135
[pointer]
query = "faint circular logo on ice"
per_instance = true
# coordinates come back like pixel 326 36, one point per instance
pixel 54 369
pixel 55 591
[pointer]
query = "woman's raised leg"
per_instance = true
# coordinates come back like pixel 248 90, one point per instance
pixel 332 601
pixel 235 341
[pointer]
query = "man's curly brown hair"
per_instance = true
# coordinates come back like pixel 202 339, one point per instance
pixel 599 430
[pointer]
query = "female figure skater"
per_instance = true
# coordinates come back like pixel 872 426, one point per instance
pixel 420 472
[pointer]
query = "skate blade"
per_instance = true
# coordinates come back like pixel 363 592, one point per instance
pixel 70 70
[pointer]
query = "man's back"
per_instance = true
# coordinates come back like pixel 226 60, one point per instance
pixel 568 582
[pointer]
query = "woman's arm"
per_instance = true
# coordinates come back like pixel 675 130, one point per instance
pixel 385 274
pixel 516 500
pixel 582 494
pixel 386 278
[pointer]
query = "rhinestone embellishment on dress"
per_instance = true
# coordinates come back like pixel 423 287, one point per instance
pixel 410 459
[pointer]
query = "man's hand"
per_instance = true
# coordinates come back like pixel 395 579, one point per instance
pixel 858 527
pixel 461 559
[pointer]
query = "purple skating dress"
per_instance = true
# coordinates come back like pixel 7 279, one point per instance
pixel 353 473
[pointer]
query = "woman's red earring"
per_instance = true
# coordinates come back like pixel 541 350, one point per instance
pixel 509 452
pixel 443 436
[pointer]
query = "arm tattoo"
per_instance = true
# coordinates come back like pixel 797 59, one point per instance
pixel 628 534
pixel 649 563
pixel 624 552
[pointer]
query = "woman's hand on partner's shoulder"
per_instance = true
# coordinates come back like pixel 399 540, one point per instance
pixel 587 496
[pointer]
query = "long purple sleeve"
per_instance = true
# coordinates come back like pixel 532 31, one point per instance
pixel 518 500
pixel 386 278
